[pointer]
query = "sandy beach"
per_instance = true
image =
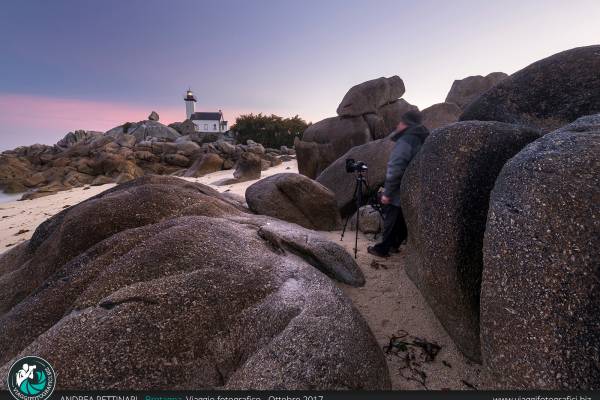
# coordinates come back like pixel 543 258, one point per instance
pixel 392 305
pixel 18 219
pixel 389 301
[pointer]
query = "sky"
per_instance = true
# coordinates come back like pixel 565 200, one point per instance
pixel 93 65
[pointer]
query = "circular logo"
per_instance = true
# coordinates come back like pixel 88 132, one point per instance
pixel 31 378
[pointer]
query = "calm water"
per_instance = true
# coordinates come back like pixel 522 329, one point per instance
pixel 5 197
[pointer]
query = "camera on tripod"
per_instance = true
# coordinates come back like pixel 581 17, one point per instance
pixel 361 190
pixel 355 166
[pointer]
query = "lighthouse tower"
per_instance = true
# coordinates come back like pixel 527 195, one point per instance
pixel 190 101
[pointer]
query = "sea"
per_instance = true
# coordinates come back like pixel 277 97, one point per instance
pixel 6 197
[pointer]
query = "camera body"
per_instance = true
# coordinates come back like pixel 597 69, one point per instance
pixel 355 166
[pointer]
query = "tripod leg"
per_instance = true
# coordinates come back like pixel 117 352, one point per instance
pixel 356 233
pixel 349 216
pixel 359 195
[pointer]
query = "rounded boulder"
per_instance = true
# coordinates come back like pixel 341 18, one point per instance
pixel 445 193
pixel 540 293
pixel 547 94
pixel 295 198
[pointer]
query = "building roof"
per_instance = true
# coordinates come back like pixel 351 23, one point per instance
pixel 211 116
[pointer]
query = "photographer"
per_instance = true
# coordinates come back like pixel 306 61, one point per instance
pixel 409 137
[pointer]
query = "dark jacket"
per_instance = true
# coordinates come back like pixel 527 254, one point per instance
pixel 408 144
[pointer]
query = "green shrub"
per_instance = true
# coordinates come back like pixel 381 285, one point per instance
pixel 270 131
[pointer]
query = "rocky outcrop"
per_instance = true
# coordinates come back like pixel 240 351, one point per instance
pixel 78 136
pixel 84 157
pixel 326 140
pixel 445 194
pixel 540 294
pixel 547 94
pixel 177 159
pixel 440 114
pixel 250 312
pixel 369 96
pixel 295 198
pixel 369 221
pixel 14 173
pixel 391 114
pixel 375 154
pixel 207 164
pixel 145 130
pixel 248 167
pixel 464 91
pixel 370 110
pixel 184 128
pixel 153 116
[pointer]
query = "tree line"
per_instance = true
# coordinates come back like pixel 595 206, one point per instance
pixel 269 130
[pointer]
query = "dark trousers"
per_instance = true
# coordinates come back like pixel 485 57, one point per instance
pixel 394 229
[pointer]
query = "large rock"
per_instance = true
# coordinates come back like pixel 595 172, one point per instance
pixel 224 299
pixel 376 124
pixel 153 116
pixel 368 96
pixel 205 137
pixel 445 194
pixel 392 113
pixel 464 91
pixel 370 220
pixel 440 114
pixel 547 94
pixel 295 198
pixel 540 294
pixel 101 180
pixel 177 159
pixel 184 128
pixel 13 173
pixel 206 164
pixel 323 142
pixel 144 130
pixel 146 156
pixel 76 137
pixel 113 164
pixel 248 167
pixel 375 154
pixel 188 148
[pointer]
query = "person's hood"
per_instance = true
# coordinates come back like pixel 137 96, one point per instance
pixel 417 130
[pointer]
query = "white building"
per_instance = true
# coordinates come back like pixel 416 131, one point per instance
pixel 204 121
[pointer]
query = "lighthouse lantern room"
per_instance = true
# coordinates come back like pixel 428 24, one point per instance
pixel 190 101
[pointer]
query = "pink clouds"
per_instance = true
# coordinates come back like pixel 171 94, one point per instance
pixel 53 113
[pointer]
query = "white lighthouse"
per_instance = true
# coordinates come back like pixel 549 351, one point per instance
pixel 190 101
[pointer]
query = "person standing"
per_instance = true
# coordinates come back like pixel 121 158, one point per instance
pixel 409 137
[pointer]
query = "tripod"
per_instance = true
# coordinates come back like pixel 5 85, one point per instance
pixel 361 181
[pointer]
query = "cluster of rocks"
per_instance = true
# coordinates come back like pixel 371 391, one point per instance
pixel 368 111
pixel 462 93
pixel 503 220
pixel 225 299
pixel 366 116
pixel 127 152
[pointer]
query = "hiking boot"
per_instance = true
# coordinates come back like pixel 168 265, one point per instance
pixel 372 250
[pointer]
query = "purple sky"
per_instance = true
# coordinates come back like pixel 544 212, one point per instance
pixel 67 65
